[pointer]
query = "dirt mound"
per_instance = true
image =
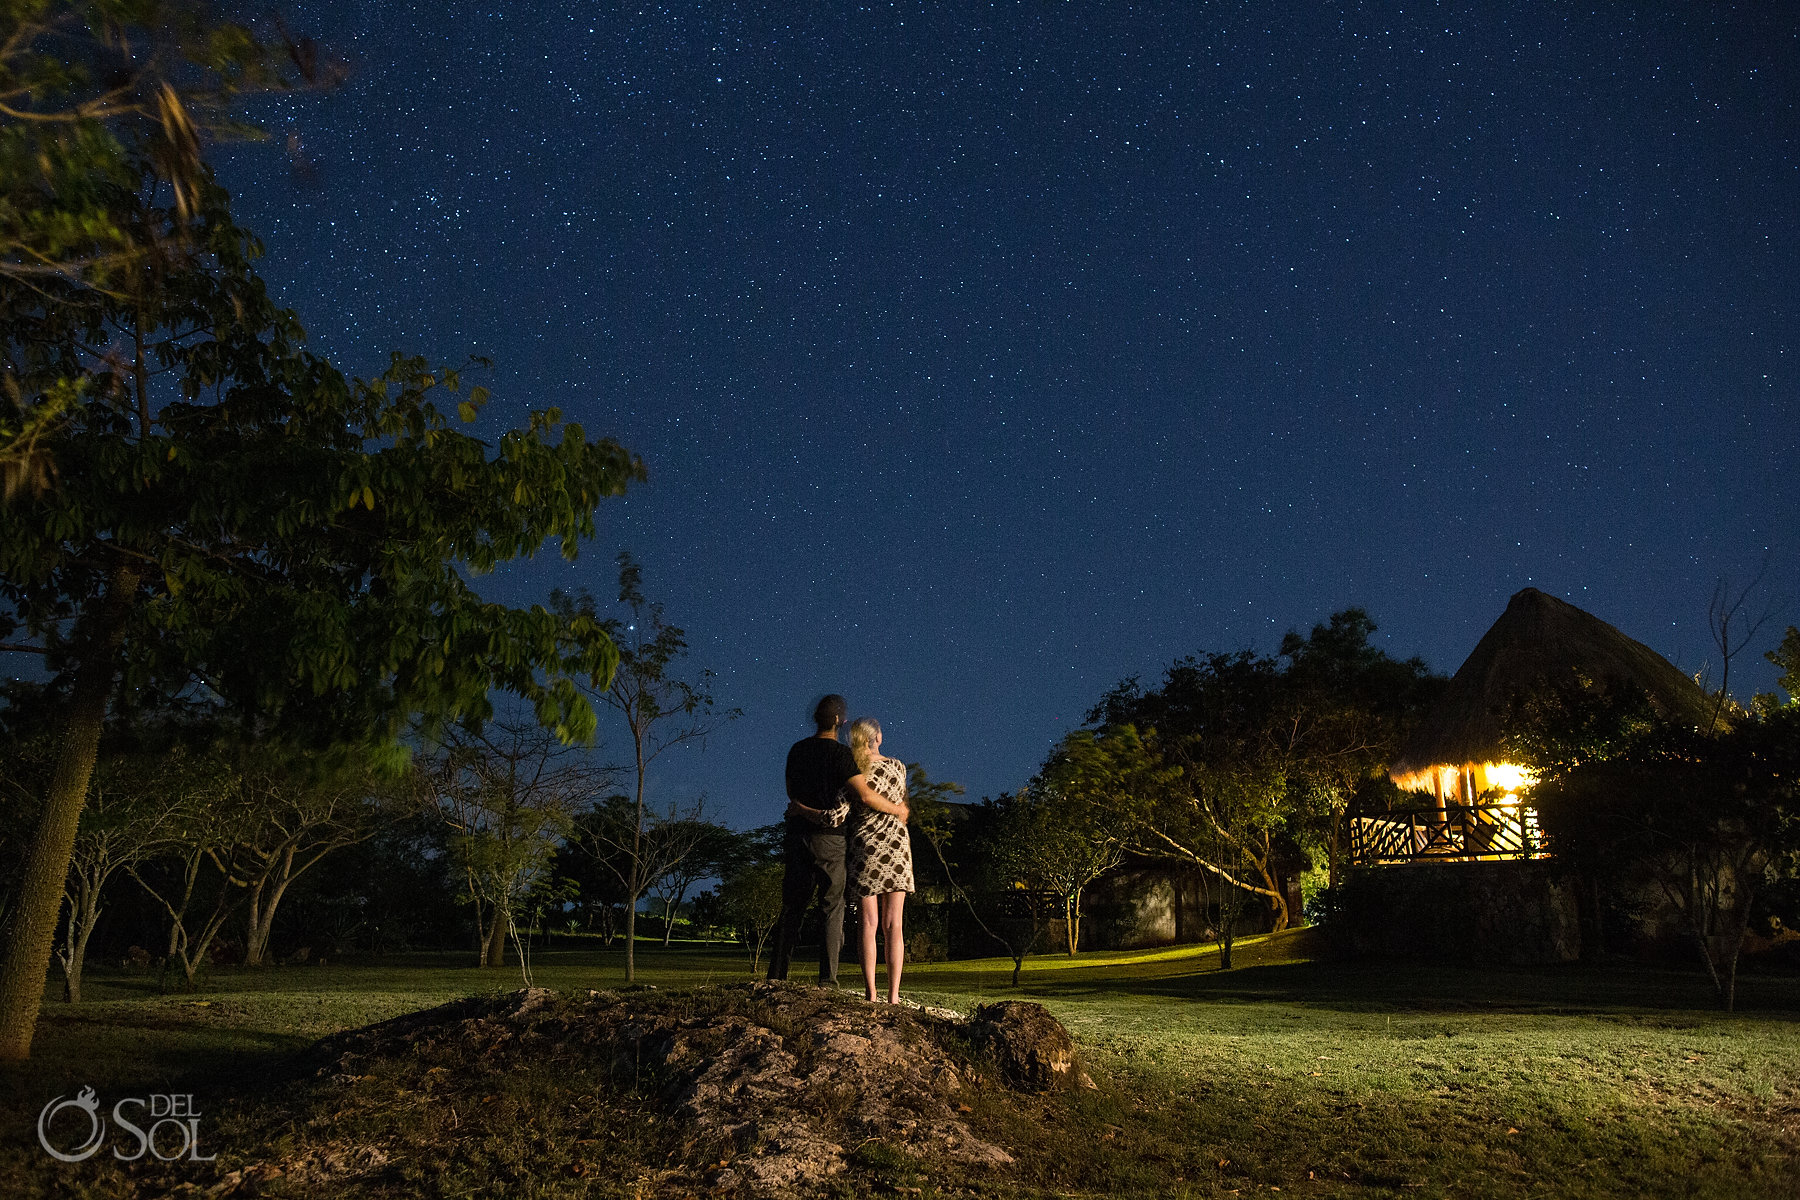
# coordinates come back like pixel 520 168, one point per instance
pixel 778 1085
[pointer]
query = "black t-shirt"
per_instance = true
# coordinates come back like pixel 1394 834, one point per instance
pixel 816 768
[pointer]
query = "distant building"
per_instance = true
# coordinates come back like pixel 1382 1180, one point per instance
pixel 1448 872
pixel 1456 764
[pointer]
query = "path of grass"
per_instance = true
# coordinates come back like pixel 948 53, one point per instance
pixel 1309 1076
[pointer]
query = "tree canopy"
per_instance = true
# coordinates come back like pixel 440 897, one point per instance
pixel 1256 756
pixel 236 522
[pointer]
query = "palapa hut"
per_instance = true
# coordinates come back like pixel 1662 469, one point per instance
pixel 1457 756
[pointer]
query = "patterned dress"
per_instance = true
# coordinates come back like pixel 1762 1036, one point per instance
pixel 880 850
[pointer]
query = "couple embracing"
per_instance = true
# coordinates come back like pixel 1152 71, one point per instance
pixel 846 823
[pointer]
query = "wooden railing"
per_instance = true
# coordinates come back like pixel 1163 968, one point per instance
pixel 1454 833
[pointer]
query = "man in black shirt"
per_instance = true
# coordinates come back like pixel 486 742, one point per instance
pixel 817 767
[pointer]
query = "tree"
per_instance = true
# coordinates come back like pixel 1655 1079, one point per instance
pixel 89 90
pixel 1077 815
pixel 132 801
pixel 86 86
pixel 1349 705
pixel 1220 738
pixel 660 710
pixel 639 846
pixel 1259 755
pixel 748 899
pixel 1733 627
pixel 598 902
pixel 509 792
pixel 998 862
pixel 698 850
pixel 1786 658
pixel 995 858
pixel 1712 821
pixel 236 517
pixel 309 806
pixel 194 880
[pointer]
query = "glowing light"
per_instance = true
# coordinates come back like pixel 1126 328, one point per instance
pixel 1509 778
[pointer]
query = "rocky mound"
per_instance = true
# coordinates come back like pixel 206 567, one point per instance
pixel 776 1084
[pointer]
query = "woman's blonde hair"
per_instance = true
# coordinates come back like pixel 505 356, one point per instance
pixel 862 740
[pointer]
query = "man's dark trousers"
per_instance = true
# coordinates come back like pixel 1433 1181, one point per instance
pixel 815 867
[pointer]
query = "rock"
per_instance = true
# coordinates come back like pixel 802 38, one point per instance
pixel 1029 1046
pixel 778 1079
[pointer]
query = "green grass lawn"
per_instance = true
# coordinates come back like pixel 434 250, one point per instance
pixel 1313 1077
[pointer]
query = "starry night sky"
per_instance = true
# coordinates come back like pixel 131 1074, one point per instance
pixel 983 355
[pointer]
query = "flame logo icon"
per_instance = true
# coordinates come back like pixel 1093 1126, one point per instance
pixel 88 1102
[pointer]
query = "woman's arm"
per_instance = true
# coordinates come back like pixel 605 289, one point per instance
pixel 877 801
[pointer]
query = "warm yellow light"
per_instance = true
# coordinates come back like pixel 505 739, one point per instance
pixel 1509 778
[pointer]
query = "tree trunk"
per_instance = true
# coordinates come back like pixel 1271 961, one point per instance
pixel 1731 955
pixel 194 957
pixel 84 911
pixel 495 954
pixel 261 921
pixel 1337 833
pixel 256 928
pixel 631 941
pixel 1273 889
pixel 33 933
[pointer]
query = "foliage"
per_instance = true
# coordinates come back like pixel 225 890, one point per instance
pixel 931 805
pixel 995 872
pixel 1072 822
pixel 509 794
pixel 294 541
pixel 86 87
pixel 1712 822
pixel 90 90
pixel 705 849
pixel 237 521
pixel 1786 658
pixel 133 805
pixel 1250 761
pixel 747 899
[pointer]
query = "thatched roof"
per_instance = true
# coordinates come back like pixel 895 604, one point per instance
pixel 1536 640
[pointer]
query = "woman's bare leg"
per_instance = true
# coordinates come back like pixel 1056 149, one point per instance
pixel 868 908
pixel 895 937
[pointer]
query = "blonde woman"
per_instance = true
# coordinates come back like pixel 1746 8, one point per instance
pixel 880 855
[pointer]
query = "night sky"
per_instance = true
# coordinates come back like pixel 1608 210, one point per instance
pixel 984 355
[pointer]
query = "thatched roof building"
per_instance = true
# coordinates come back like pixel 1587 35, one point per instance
pixel 1458 753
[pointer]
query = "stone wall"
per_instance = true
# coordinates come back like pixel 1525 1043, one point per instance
pixel 1510 912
